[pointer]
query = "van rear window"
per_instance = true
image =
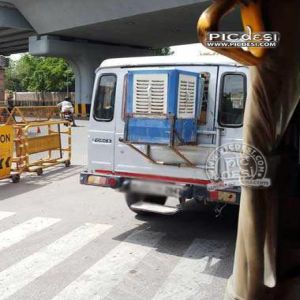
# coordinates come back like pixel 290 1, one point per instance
pixel 232 102
pixel 105 98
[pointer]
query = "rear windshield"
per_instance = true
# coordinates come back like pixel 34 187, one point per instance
pixel 105 98
pixel 232 101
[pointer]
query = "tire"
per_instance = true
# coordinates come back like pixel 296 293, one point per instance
pixel 39 172
pixel 15 178
pixel 132 198
pixel 67 163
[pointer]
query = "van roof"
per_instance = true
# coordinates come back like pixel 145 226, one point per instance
pixel 169 60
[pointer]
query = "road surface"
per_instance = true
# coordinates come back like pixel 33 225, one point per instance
pixel 62 240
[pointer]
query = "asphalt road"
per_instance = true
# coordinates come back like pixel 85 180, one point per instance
pixel 62 240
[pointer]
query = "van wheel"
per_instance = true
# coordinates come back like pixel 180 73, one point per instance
pixel 132 198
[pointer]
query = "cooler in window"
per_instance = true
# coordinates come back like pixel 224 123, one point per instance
pixel 162 107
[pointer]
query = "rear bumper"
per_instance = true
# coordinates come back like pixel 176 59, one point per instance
pixel 187 191
pixel 125 184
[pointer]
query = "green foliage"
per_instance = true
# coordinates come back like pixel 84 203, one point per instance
pixel 43 74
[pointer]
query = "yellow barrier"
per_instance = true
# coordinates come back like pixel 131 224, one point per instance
pixel 44 139
pixel 7 140
pixel 5 116
pixel 29 114
pixel 6 149
pixel 26 134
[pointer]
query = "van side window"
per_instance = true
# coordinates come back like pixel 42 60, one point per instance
pixel 105 98
pixel 232 101
pixel 204 106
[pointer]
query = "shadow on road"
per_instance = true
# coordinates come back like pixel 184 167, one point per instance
pixel 32 182
pixel 216 236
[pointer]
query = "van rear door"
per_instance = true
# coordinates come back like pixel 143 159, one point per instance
pixel 129 163
pixel 232 93
pixel 102 122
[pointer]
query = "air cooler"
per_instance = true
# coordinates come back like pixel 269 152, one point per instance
pixel 162 107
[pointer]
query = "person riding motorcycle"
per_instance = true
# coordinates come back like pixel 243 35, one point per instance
pixel 66 108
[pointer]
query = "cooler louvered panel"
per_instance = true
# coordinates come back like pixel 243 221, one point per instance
pixel 186 96
pixel 161 107
pixel 150 94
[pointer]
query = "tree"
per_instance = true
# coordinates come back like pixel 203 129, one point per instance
pixel 12 81
pixel 43 74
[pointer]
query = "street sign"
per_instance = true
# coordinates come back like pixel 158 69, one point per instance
pixel 6 149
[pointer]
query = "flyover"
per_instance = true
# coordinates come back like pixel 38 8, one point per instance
pixel 86 32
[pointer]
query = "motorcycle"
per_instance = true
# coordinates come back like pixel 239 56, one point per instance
pixel 68 116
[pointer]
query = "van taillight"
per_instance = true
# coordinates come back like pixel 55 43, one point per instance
pixel 112 182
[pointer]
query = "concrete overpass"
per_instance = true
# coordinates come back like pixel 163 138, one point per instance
pixel 86 32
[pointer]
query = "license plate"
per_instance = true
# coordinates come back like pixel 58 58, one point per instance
pixel 154 188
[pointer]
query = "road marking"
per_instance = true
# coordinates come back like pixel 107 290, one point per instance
pixel 6 214
pixel 97 282
pixel 22 231
pixel 22 273
pixel 194 270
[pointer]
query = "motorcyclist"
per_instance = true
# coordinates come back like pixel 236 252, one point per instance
pixel 66 106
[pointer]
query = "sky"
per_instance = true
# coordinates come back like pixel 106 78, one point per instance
pixel 190 50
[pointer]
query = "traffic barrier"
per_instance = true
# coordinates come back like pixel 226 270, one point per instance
pixel 27 114
pixel 40 143
pixel 31 141
pixel 5 116
pixel 7 142
pixel 44 138
pixel 81 110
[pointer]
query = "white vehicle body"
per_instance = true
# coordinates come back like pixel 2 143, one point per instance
pixel 109 157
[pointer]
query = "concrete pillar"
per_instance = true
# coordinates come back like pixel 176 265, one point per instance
pixel 84 57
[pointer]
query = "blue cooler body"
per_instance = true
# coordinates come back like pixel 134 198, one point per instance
pixel 162 107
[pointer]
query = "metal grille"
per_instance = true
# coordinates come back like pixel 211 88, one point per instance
pixel 186 96
pixel 150 94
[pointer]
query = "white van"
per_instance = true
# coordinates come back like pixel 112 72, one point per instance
pixel 155 121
